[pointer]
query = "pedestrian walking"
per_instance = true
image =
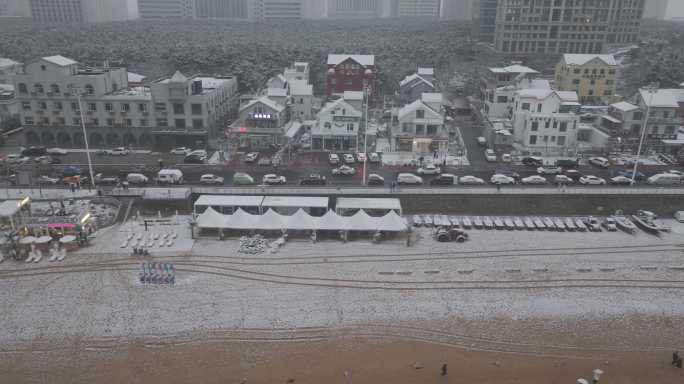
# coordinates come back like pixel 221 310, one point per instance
pixel 393 186
pixel 444 369
pixel 679 363
pixel 145 225
pixel 444 162
pixel 675 358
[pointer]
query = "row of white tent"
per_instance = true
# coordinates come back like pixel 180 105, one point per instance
pixel 331 221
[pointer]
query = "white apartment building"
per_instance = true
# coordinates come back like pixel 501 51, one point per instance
pixel 9 106
pixel 499 104
pixel 418 8
pixel 546 121
pixel 261 124
pixel 498 86
pixel 301 93
pixel 419 127
pixel 337 125
pixel 298 71
pixel 155 9
pixel 172 111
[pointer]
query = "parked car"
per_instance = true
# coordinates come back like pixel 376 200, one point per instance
pixel 429 169
pixel 273 179
pixel 136 179
pixel 199 152
pixel 409 179
pixel 592 180
pixel 194 159
pixel 348 158
pixel 451 234
pixel 490 155
pixel 241 178
pixel 533 161
pixel 549 170
pixel 679 216
pixel 628 173
pixel 664 179
pixel 170 176
pixel 251 157
pixel 119 151
pixel 610 224
pixel 506 158
pixel 100 179
pixel 344 170
pixel 599 162
pixel 444 179
pixel 675 172
pixel 562 179
pixel 333 159
pixel 482 141
pixel 361 157
pixel 313 179
pixel 513 174
pixel 573 174
pixel 46 180
pixel 374 157
pixel 534 180
pixel 620 180
pixel 567 163
pixel 34 151
pixel 181 151
pixel 375 179
pixel 470 180
pixel 56 151
pixel 501 179
pixel 211 179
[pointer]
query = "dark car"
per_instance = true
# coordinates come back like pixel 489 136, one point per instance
pixel 444 179
pixel 194 159
pixel 628 173
pixel 34 151
pixel 375 179
pixel 313 179
pixel 575 175
pixel 567 163
pixel 512 174
pixel 532 161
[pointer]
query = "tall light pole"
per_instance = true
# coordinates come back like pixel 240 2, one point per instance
pixel 651 89
pixel 85 135
pixel 365 133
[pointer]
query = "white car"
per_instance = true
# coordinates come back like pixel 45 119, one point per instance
pixel 373 157
pixel 470 180
pixel 490 155
pixel 333 159
pixel 429 169
pixel 592 180
pixel 409 178
pixel 198 153
pixel 482 141
pixel 549 170
pixel 211 179
pixel 56 151
pixel 361 157
pixel 675 172
pixel 251 157
pixel 563 179
pixel 506 158
pixel 120 151
pixel 620 180
pixel 181 151
pixel 273 179
pixel 501 179
pixel 599 162
pixel 46 180
pixel 348 158
pixel 344 170
pixel 534 180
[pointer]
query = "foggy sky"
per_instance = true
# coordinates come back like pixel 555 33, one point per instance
pixel 675 9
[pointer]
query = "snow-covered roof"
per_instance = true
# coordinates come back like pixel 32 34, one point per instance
pixel 212 82
pixel 301 88
pixel 624 106
pixel 611 119
pixel 5 62
pixel 295 201
pixel 583 58
pixel 266 101
pixel 60 60
pixel 411 78
pixel 541 94
pixel 136 78
pixel 513 69
pixel 361 59
pixel 410 108
pixel 229 201
pixel 349 109
pixel 432 97
pixel 426 71
pixel 178 77
pixel 9 207
pixel 292 128
pixel 568 95
pixel 540 84
pixel 276 92
pixel 367 203
pixel 662 98
pixel 352 95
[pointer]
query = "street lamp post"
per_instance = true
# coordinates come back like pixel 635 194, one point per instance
pixel 85 135
pixel 651 89
pixel 365 134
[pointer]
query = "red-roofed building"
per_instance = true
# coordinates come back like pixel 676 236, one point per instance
pixel 350 73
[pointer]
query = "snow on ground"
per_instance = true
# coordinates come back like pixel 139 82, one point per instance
pixel 115 304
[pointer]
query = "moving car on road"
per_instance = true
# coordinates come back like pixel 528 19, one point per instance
pixel 344 170
pixel 573 174
pixel 136 179
pixel 56 151
pixel 533 161
pixel 562 179
pixel 273 179
pixel 490 155
pixel 500 179
pixel 429 169
pixel 513 174
pixel 194 159
pixel 534 180
pixel 506 158
pixel 333 159
pixel 549 170
pixel 313 179
pixel 100 179
pixel 599 162
pixel 592 180
pixel 181 151
pixel 170 176
pixel 620 180
pixel 46 180
pixel 375 179
pixel 211 179
pixel 444 179
pixel 34 151
pixel 251 157
pixel 470 180
pixel 664 179
pixel 567 163
pixel 409 179
pixel 118 151
pixel 241 178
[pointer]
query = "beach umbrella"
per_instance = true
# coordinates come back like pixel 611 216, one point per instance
pixel 27 240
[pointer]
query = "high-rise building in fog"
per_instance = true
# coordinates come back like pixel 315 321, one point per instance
pixel 457 9
pixel 155 9
pixel 558 26
pixel 222 9
pixel 484 19
pixel 277 9
pixel 418 8
pixel 14 8
pixel 97 11
pixel 57 11
pixel 656 9
pixel 355 9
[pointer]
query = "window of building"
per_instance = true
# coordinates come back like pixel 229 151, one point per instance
pixel 590 92
pixel 89 89
pixel 128 122
pixel 575 81
pixel 420 114
pixel 110 122
pixel 553 139
pixel 178 109
pixel 526 106
pixel 58 105
pixel 535 126
pixel 28 120
pixel 547 123
pixel 74 107
pixel 546 139
pixel 637 115
pixel 95 122
pixel 162 122
pixel 577 71
pixel 561 140
pixel 109 107
pixel 533 139
pixel 125 107
pixel 592 82
pixel 669 130
pixel 539 107
pixel 179 123
pixel 420 129
pixel 26 105
pixel 350 127
pixel 563 126
pixel 38 88
pixel 76 121
pixel 327 125
pixel 23 88
pixel 431 130
pixel 607 92
pixel 196 109
pixel 54 88
pixel 501 99
pixel 143 122
pixel 92 107
pixel 160 107
pixel 666 114
pixel 197 123
pixel 610 82
pixel 405 127
pixel 42 105
pixel 142 107
pixel 651 113
pixel 611 71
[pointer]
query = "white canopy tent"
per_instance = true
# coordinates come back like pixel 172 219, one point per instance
pixel 349 205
